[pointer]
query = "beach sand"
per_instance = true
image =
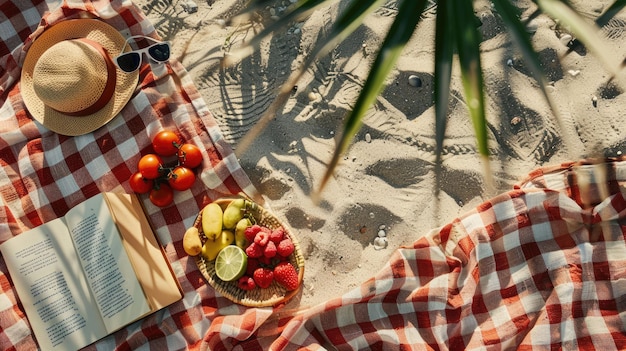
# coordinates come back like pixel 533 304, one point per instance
pixel 385 184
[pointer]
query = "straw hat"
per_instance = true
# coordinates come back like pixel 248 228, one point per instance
pixel 69 81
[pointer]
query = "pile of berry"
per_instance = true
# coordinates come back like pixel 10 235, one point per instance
pixel 268 253
pixel 160 176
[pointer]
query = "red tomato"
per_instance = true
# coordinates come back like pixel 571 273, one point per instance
pixel 166 143
pixel 150 166
pixel 181 178
pixel 139 184
pixel 189 156
pixel 162 195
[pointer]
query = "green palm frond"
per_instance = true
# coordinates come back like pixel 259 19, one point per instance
pixel 390 50
pixel 444 51
pixel 467 41
pixel 457 37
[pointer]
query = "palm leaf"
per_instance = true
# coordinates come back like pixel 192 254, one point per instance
pixel 455 31
pixel 444 50
pixel 444 53
pixel 468 47
pixel 409 14
pixel 467 41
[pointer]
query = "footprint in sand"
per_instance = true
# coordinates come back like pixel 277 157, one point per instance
pixel 300 219
pixel 399 172
pixel 266 182
pixel 361 222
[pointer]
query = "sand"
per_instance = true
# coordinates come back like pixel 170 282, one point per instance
pixel 385 184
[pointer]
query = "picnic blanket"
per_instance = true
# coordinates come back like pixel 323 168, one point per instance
pixel 539 267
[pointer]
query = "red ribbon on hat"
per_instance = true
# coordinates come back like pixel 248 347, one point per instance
pixel 109 88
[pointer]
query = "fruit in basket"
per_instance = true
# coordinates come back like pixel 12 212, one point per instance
pixel 262 238
pixel 265 243
pixel 212 248
pixel 252 231
pixel 191 242
pixel 254 250
pixel 263 277
pixel 270 249
pixel 231 263
pixel 266 277
pixel 212 220
pixel 246 283
pixel 285 247
pixel 233 213
pixel 240 232
pixel 277 235
pixel 285 274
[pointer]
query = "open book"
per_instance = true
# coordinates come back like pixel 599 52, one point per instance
pixel 90 273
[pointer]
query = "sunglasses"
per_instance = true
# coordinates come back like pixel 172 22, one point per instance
pixel 131 60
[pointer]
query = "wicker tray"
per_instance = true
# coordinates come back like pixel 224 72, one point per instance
pixel 275 293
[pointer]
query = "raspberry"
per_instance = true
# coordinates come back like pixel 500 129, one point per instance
pixel 270 250
pixel 285 248
pixel 263 277
pixel 277 235
pixel 254 250
pixel 246 283
pixel 251 232
pixel 262 238
pixel 286 275
pixel 253 264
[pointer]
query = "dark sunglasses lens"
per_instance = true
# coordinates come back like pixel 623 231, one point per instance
pixel 159 52
pixel 129 61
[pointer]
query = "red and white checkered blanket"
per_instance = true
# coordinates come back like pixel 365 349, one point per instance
pixel 540 267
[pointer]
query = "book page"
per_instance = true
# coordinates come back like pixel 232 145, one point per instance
pixel 107 267
pixel 43 266
pixel 152 269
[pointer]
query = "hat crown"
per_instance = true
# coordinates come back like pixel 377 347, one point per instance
pixel 70 76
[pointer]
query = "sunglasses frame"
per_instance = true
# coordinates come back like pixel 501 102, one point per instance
pixel 140 52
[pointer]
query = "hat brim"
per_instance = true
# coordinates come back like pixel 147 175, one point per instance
pixel 112 41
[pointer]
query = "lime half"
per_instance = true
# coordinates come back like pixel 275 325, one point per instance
pixel 231 263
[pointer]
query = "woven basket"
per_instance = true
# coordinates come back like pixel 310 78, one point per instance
pixel 275 293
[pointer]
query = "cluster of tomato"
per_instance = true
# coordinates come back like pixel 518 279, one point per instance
pixel 159 177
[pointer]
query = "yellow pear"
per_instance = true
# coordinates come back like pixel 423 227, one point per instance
pixel 233 213
pixel 211 248
pixel 240 232
pixel 212 220
pixel 191 242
